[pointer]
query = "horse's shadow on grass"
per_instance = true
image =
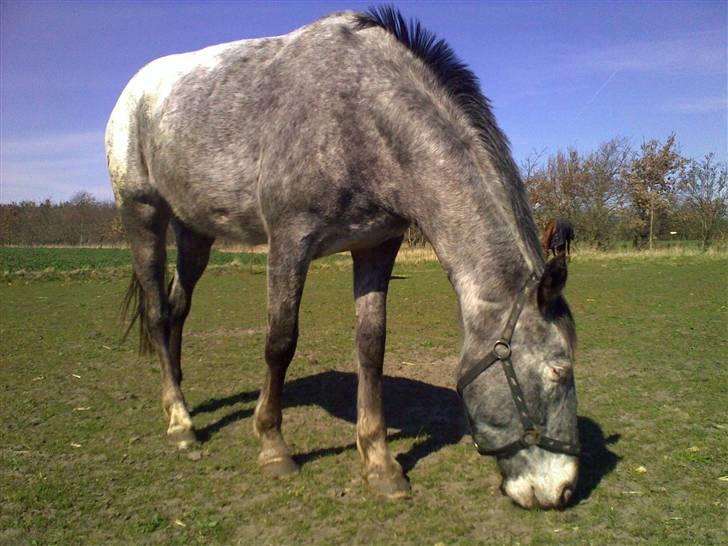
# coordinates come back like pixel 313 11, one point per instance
pixel 431 415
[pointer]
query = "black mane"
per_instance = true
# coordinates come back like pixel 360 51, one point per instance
pixel 453 74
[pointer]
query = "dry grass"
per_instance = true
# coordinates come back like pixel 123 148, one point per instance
pixel 236 249
pixel 408 255
pixel 416 255
pixel 425 254
pixel 656 254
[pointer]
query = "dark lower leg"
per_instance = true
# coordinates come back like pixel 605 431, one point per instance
pixel 146 224
pixel 286 277
pixel 372 269
pixel 274 457
pixel 193 252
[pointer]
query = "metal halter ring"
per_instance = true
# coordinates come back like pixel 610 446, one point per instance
pixel 531 437
pixel 502 349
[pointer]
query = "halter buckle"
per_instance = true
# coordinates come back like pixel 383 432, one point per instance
pixel 531 437
pixel 502 349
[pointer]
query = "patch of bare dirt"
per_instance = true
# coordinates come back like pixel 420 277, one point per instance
pixel 440 372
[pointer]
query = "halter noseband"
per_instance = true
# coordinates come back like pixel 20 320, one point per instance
pixel 501 352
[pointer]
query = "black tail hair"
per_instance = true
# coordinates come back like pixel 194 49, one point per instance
pixel 133 304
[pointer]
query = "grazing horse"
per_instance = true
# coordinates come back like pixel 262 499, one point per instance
pixel 557 237
pixel 335 137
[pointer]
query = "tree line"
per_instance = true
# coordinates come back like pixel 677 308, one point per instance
pixel 614 193
pixel 83 220
pixel 642 195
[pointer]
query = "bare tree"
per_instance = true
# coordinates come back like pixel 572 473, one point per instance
pixel 552 188
pixel 651 183
pixel 601 196
pixel 587 189
pixel 532 174
pixel 414 237
pixel 704 187
pixel 81 220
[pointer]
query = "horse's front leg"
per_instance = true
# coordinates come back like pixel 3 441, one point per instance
pixel 372 270
pixel 287 268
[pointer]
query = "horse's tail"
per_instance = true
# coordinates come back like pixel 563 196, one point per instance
pixel 133 305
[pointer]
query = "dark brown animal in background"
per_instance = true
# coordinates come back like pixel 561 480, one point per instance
pixel 557 237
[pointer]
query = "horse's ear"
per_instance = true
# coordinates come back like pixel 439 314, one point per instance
pixel 552 282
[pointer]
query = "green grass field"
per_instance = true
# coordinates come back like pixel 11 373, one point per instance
pixel 84 459
pixel 45 262
pixel 77 262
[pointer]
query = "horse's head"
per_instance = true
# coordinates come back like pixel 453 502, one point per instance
pixel 526 416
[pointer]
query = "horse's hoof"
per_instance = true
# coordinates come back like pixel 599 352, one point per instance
pixel 182 439
pixel 279 467
pixel 393 486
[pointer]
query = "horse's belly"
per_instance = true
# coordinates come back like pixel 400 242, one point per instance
pixel 353 236
pixel 213 193
pixel 233 216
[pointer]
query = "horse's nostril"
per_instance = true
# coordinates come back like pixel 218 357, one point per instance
pixel 566 495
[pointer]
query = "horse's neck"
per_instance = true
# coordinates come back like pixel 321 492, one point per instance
pixel 476 235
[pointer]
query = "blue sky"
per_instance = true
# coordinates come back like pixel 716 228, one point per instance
pixel 559 74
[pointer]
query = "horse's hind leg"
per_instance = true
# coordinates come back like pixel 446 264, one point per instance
pixel 193 254
pixel 146 224
pixel 372 270
pixel 287 267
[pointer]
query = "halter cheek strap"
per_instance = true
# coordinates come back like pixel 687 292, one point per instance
pixel 501 352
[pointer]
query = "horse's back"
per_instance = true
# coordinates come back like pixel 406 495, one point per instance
pixel 234 135
pixel 152 149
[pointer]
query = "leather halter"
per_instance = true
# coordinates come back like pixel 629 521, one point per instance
pixel 501 352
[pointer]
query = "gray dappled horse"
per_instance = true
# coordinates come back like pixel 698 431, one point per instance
pixel 337 137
